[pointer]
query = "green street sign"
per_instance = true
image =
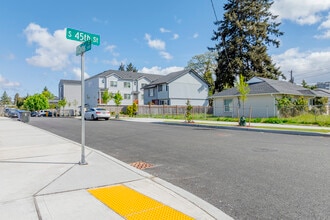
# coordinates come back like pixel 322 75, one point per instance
pixel 76 35
pixel 82 48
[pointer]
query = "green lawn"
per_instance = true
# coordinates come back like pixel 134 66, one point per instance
pixel 306 119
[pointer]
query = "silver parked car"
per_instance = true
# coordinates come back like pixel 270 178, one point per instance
pixel 97 113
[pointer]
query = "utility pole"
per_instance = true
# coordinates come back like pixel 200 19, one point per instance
pixel 291 77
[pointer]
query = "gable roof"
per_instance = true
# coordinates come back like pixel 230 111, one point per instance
pixel 127 75
pixel 259 85
pixel 72 82
pixel 172 77
pixel 322 92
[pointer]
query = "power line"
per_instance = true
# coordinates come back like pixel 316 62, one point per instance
pixel 215 14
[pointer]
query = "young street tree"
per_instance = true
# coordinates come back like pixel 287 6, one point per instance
pixel 247 29
pixel 243 88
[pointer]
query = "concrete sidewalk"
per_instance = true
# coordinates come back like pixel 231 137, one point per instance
pixel 41 179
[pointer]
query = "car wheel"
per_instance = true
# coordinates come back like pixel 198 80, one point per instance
pixel 106 119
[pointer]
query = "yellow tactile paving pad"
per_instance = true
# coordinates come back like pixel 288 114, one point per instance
pixel 133 205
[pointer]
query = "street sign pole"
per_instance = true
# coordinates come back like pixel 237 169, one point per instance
pixel 83 160
pixel 88 39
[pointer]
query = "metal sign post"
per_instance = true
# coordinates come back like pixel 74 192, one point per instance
pixel 88 39
pixel 83 160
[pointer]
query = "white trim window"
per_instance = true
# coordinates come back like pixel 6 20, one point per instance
pixel 127 96
pixel 160 88
pixel 113 83
pixel 127 85
pixel 228 105
pixel 151 92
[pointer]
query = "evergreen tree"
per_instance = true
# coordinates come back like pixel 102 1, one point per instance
pixel 242 38
pixel 131 68
pixel 48 94
pixel 5 99
pixel 121 67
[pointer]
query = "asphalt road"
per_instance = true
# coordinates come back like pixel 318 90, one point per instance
pixel 246 174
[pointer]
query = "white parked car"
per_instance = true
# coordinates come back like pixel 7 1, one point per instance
pixel 97 113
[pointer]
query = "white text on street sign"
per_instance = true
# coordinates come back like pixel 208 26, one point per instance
pixel 82 48
pixel 76 35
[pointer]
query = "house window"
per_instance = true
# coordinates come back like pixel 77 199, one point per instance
pixel 166 87
pixel 163 102
pixel 160 88
pixel 151 92
pixel 127 96
pixel 113 83
pixel 143 85
pixel 228 105
pixel 127 85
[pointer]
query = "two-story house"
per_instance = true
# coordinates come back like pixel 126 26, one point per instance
pixel 176 88
pixel 129 84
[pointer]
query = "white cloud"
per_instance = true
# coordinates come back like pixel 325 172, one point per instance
pixel 324 35
pixel 4 83
pixel 325 24
pixel 310 66
pixel 175 36
pixel 77 74
pixel 111 49
pixel 163 30
pixel 301 12
pixel 114 62
pixel 158 70
pixel 155 44
pixel 195 35
pixel 52 50
pixel 97 20
pixel 166 55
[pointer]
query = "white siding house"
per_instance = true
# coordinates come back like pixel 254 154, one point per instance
pixel 70 90
pixel 129 84
pixel 261 100
pixel 176 88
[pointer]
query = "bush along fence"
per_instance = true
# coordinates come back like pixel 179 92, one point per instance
pixel 271 111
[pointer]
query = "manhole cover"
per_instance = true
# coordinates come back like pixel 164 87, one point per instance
pixel 141 165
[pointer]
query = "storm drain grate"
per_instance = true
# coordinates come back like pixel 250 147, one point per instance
pixel 141 165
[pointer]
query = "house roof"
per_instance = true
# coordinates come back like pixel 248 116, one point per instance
pixel 259 85
pixel 322 92
pixel 127 75
pixel 172 77
pixel 73 82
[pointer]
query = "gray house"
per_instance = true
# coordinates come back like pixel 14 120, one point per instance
pixel 261 100
pixel 141 88
pixel 71 91
pixel 176 88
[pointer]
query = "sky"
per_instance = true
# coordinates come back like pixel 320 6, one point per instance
pixel 157 37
